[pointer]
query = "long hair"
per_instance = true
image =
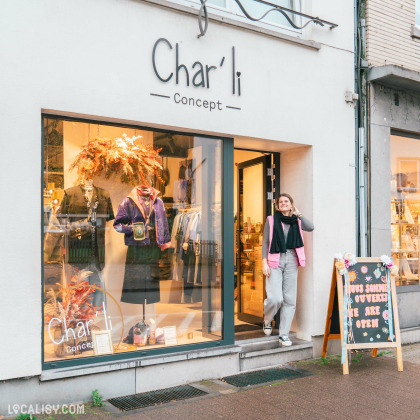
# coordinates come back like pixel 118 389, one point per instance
pixel 276 201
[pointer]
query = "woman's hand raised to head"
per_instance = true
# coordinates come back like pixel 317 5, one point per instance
pixel 296 212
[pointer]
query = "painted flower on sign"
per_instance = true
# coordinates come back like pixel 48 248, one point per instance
pixel 352 275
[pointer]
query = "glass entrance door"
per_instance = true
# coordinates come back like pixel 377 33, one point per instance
pixel 253 206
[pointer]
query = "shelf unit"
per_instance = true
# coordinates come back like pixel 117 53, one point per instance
pixel 405 235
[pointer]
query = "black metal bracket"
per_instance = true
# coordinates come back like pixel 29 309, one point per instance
pixel 203 21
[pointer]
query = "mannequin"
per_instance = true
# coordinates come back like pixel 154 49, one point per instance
pixel 141 217
pixel 88 188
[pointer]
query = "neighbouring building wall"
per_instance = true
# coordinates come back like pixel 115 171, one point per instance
pixel 390 40
pixel 386 115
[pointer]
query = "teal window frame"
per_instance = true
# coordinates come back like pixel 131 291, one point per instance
pixel 228 333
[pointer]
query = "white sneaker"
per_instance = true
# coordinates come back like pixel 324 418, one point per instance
pixel 285 341
pixel 267 328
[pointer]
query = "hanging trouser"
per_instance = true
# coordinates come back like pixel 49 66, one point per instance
pixel 281 290
pixel 188 272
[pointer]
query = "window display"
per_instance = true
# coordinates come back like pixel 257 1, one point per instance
pixel 132 239
pixel 405 208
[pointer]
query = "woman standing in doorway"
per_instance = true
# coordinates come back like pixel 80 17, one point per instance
pixel 283 252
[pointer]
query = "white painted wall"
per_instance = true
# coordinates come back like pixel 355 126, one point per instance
pixel 93 57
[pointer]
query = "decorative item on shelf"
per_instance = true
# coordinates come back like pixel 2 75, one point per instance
pixel 161 269
pixel 171 336
pixel 152 331
pixel 140 333
pixel 408 214
pixel 102 342
pixel 406 270
pixel 126 156
pixel 248 225
pixel 160 336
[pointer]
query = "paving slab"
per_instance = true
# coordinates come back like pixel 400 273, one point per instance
pixel 374 389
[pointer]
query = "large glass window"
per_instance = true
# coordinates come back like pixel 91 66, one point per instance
pixel 132 239
pixel 418 13
pixel 405 208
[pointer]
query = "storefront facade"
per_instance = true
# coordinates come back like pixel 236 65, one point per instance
pixel 235 116
pixel 393 135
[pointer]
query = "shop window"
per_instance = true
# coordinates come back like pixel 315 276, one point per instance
pixel 405 208
pixel 418 13
pixel 132 240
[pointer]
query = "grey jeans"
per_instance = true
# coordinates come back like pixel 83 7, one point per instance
pixel 281 289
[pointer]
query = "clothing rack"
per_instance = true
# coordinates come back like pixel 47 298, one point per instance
pixel 195 208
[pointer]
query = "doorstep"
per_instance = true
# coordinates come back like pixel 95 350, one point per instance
pixel 410 335
pixel 261 352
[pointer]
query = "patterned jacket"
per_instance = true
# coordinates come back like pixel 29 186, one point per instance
pixel 130 211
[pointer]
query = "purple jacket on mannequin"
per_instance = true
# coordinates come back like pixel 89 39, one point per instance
pixel 130 211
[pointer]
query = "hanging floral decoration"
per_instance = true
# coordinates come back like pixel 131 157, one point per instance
pixel 387 262
pixel 72 304
pixel 134 161
pixel 343 262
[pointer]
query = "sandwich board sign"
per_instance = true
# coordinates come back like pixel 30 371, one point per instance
pixel 362 310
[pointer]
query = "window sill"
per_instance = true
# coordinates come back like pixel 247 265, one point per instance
pixel 415 32
pixel 232 22
pixel 408 288
pixel 81 370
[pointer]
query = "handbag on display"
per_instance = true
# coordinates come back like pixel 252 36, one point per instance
pixel 161 270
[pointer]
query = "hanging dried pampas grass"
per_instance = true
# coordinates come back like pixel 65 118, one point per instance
pixel 134 161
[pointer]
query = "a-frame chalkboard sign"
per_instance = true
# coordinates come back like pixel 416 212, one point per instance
pixel 367 291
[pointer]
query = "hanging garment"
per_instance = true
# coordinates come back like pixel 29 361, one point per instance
pixel 131 210
pixel 84 214
pixel 86 225
pixel 180 191
pixel 176 226
pixel 189 253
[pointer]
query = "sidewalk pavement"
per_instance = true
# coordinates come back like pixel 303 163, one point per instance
pixel 374 389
